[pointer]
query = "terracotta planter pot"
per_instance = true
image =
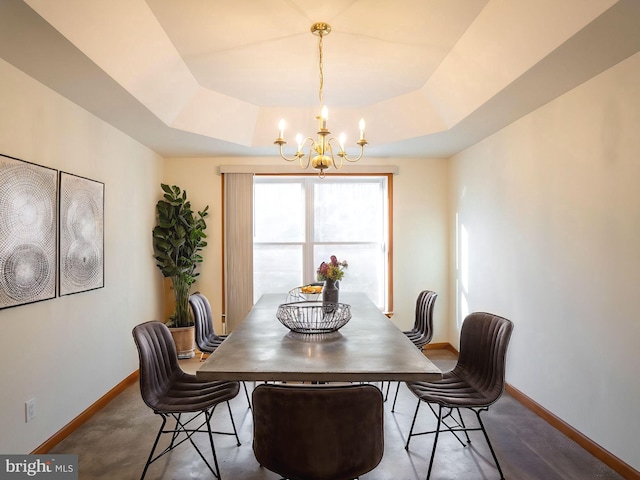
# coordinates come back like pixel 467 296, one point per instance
pixel 184 339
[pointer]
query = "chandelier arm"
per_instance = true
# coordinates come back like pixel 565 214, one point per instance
pixel 284 157
pixel 308 159
pixel 301 154
pixel 330 145
pixel 310 140
pixel 344 155
pixel 304 165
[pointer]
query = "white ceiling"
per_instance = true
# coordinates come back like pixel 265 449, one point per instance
pixel 213 77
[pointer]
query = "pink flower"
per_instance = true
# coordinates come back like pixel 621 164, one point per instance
pixel 324 268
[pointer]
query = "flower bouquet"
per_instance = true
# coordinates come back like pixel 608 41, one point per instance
pixel 331 273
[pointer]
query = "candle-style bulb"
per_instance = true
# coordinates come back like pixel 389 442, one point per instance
pixel 281 126
pixel 324 113
pixel 299 141
pixel 341 140
pixel 362 125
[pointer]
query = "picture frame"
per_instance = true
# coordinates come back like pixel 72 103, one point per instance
pixel 81 234
pixel 28 232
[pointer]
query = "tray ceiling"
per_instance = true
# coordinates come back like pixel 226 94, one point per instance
pixel 431 77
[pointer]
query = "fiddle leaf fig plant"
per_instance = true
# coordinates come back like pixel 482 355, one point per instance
pixel 178 239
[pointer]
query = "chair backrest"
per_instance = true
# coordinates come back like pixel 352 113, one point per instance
pixel 314 432
pixel 203 320
pixel 425 304
pixel 158 360
pixel 484 339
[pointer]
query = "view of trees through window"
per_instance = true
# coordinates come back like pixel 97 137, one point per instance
pixel 301 221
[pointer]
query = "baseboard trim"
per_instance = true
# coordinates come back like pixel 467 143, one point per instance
pixel 74 424
pixel 441 346
pixel 606 457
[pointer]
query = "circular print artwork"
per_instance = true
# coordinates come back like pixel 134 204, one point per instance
pixel 26 273
pixel 81 234
pixel 27 232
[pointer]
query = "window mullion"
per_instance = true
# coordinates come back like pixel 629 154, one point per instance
pixel 309 269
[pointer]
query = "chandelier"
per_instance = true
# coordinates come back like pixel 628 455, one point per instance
pixel 321 149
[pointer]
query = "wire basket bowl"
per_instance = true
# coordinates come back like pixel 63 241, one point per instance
pixel 314 317
pixel 306 293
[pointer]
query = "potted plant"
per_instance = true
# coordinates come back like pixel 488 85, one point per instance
pixel 178 238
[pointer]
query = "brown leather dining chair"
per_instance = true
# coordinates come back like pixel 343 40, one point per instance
pixel 422 331
pixel 318 432
pixel 206 337
pixel 171 393
pixel 475 383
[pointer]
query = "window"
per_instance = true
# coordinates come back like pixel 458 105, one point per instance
pixel 301 221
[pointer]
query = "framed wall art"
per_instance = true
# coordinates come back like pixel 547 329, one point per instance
pixel 28 201
pixel 81 257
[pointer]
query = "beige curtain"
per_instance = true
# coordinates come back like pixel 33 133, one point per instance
pixel 238 255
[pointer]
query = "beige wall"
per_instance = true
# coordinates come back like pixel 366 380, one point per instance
pixel 67 352
pixel 420 231
pixel 550 206
pixel 420 241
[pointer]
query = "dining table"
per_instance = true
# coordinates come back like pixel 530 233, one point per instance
pixel 369 348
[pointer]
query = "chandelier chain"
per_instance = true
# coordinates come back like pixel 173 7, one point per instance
pixel 321 68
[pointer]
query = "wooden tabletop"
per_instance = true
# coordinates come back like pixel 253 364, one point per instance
pixel 369 348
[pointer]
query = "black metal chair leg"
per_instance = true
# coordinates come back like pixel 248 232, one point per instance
pixel 246 394
pixel 176 431
pixel 386 395
pixel 435 441
pixel 493 453
pixel 463 425
pixel 208 416
pixel 415 415
pixel 233 423
pixel 395 398
pixel 153 449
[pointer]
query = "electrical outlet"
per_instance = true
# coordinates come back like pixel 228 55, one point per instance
pixel 30 410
